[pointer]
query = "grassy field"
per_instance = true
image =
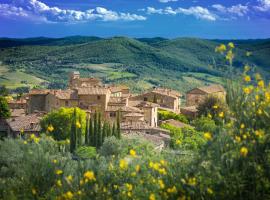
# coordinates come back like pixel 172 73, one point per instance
pixel 14 79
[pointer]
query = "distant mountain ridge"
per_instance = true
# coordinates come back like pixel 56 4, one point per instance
pixel 147 61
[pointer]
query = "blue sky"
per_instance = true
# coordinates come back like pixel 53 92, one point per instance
pixel 222 19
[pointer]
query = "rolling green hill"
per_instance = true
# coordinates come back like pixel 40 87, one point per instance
pixel 180 63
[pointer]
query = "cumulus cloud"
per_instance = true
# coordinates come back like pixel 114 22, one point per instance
pixel 197 11
pixel 36 9
pixel 167 1
pixel 239 10
pixel 264 5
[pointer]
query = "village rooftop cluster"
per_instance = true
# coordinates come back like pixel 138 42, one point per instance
pixel 138 113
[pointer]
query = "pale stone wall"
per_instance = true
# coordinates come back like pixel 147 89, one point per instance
pixel 193 99
pixel 150 116
pixel 98 101
pixel 163 100
pixel 36 103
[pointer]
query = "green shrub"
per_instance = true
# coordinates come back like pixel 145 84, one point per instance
pixel 60 121
pixel 204 124
pixel 165 115
pixel 86 152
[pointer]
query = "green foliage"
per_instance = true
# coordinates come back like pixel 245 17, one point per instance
pixel 164 115
pixel 205 124
pixel 86 152
pixel 3 91
pixel 4 109
pixel 61 121
pixel 184 138
pixel 213 107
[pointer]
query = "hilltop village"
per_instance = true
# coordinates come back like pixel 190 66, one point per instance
pixel 138 113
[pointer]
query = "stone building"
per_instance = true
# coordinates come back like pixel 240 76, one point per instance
pixel 75 81
pixel 197 95
pixel 27 124
pixel 167 99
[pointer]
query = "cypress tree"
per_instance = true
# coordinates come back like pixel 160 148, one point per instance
pixel 91 133
pixel 118 128
pixel 95 130
pixel 109 130
pixel 73 132
pixel 99 131
pixel 86 140
pixel 114 130
pixel 104 131
pixel 79 133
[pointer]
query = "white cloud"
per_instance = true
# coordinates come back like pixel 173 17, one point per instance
pixel 264 5
pixel 39 10
pixel 167 1
pixel 197 11
pixel 239 10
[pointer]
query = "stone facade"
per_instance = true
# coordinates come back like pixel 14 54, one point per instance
pixel 167 99
pixel 197 95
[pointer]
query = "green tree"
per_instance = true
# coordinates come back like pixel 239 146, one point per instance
pixel 91 133
pixel 61 121
pixel 73 133
pixel 99 131
pixel 95 139
pixel 3 91
pixel 113 130
pixel 4 109
pixel 118 128
pixel 86 140
pixel 79 132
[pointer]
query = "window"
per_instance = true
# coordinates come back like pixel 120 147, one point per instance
pixel 112 114
pixel 98 97
pixel 145 98
pixel 66 103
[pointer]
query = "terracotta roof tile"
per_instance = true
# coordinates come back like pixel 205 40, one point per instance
pixel 92 91
pixel 212 88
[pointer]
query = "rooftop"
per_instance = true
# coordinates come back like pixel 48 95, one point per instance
pixel 26 123
pixel 92 91
pixel 210 89
pixel 166 91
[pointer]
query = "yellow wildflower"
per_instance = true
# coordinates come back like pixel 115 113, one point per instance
pixel 242 126
pixel 243 151
pixel 192 181
pixel 78 125
pixel 89 176
pixel 259 133
pixel 133 174
pixel 209 116
pixel 261 84
pixel 231 45
pixel 25 142
pixel 161 184
pixel 151 164
pixel 152 197
pixel 123 164
pixel 132 153
pixel 34 192
pixel 246 68
pixel 68 195
pixel 129 187
pixel 247 78
pixel 162 171
pixel 221 114
pixel 215 106
pixel 258 76
pixel 207 136
pixel 79 192
pixel 137 168
pixel 238 139
pixel 59 183
pixel 69 178
pixel 259 111
pixel 247 90
pixel 230 56
pixel 50 128
pixel 178 142
pixel 210 191
pixel 221 48
pixel 129 194
pixel 58 172
pixel 172 190
pixel 54 161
